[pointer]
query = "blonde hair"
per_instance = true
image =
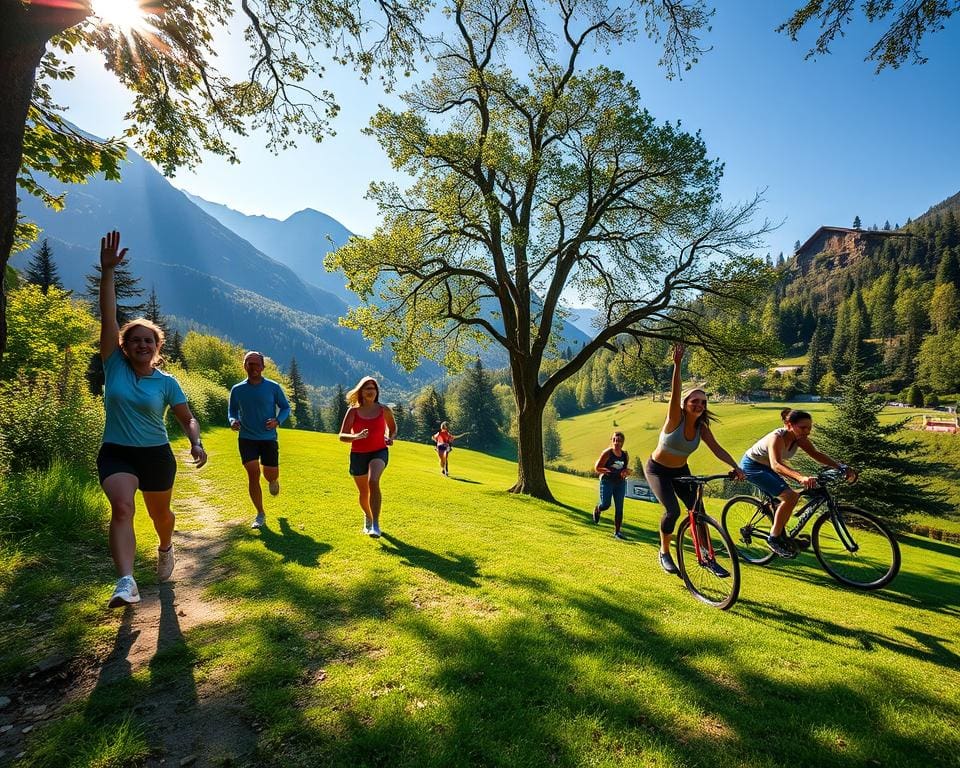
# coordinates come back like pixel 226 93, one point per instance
pixel 353 396
pixel 151 326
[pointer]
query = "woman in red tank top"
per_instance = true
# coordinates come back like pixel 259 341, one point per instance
pixel 369 428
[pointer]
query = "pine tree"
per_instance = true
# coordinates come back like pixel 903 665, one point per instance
pixel 781 260
pixel 552 448
pixel 127 287
pixel 796 246
pixel 890 467
pixel 336 410
pixel 401 418
pixel 815 369
pixel 948 271
pixel 42 269
pixel 173 349
pixel 151 310
pixel 430 410
pixel 478 409
pixel 299 400
pixel 856 222
pixel 886 224
pixel 882 319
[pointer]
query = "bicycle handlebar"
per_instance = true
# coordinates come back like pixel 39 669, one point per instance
pixel 831 475
pixel 703 479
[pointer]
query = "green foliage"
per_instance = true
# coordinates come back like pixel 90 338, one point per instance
pixel 915 396
pixel 61 500
pixel 208 399
pixel 475 409
pixel 552 447
pixel 299 402
pixel 890 464
pixel 336 410
pixel 41 326
pixel 126 285
pixel 938 362
pixel 429 409
pixel 221 361
pixel 51 415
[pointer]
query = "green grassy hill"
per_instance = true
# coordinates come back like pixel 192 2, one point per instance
pixel 486 629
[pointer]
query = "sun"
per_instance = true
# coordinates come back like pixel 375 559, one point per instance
pixel 126 15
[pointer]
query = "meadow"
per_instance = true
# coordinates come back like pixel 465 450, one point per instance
pixel 488 629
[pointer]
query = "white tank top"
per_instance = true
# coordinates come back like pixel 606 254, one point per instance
pixel 761 454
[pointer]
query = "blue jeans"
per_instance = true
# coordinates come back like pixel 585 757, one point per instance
pixel 613 491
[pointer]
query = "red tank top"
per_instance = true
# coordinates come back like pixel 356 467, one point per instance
pixel 443 437
pixel 376 440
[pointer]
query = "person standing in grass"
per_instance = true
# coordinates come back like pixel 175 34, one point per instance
pixel 369 427
pixel 136 454
pixel 613 468
pixel 257 407
pixel 687 423
pixel 444 440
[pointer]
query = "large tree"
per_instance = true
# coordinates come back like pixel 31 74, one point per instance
pixel 529 187
pixel 183 105
pixel 42 269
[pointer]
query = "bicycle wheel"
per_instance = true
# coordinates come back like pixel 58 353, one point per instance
pixel 713 578
pixel 747 521
pixel 856 549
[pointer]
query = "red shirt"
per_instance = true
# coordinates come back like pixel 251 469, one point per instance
pixel 376 439
pixel 444 437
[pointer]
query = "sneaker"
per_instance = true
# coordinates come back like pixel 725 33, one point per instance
pixel 596 514
pixel 780 546
pixel 165 562
pixel 259 521
pixel 125 593
pixel 666 562
pixel 716 569
pixel 274 487
pixel 374 531
pixel 619 535
pixel 366 529
pixel 801 542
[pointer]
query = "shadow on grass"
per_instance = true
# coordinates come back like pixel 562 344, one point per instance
pixel 292 546
pixel 458 569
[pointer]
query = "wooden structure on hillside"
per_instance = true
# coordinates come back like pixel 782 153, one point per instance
pixel 941 423
pixel 844 246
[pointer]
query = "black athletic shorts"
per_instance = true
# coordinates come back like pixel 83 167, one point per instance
pixel 360 462
pixel 153 466
pixel 267 451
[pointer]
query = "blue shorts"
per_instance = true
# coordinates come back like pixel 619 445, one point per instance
pixel 763 477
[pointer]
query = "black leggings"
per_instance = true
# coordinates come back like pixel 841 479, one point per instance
pixel 661 482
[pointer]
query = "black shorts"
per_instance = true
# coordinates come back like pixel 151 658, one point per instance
pixel 360 462
pixel 154 466
pixel 267 451
pixel 443 448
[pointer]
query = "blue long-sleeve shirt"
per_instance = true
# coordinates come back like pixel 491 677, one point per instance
pixel 253 404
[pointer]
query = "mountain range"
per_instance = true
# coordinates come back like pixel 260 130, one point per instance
pixel 256 281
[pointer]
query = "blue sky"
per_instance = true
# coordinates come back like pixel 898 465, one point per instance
pixel 827 139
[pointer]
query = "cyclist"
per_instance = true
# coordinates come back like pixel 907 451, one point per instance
pixel 687 423
pixel 764 465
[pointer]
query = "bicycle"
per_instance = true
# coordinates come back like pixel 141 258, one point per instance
pixel 853 546
pixel 706 557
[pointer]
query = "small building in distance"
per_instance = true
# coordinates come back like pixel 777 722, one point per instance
pixel 836 247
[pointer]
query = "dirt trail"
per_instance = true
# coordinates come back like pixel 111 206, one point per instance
pixel 189 722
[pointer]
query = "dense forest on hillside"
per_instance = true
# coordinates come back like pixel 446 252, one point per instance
pixel 894 308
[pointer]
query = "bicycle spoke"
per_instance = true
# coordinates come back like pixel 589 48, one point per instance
pixel 748 522
pixel 714 577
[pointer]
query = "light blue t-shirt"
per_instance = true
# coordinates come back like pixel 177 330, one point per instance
pixel 253 404
pixel 135 405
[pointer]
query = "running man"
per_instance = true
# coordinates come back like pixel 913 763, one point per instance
pixel 257 407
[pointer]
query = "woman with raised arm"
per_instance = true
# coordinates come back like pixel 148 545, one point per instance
pixel 765 465
pixel 369 427
pixel 136 454
pixel 687 423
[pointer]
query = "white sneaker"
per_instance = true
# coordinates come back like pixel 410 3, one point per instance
pixel 274 487
pixel 126 593
pixel 259 521
pixel 366 529
pixel 375 531
pixel 165 562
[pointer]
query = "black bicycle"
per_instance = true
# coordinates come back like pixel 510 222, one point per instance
pixel 706 557
pixel 853 546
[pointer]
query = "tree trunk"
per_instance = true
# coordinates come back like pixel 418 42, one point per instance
pixel 531 476
pixel 25 29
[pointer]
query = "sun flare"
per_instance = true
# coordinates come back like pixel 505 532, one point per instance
pixel 125 15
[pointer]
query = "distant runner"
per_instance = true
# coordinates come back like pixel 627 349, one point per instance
pixel 257 407
pixel 613 466
pixel 444 441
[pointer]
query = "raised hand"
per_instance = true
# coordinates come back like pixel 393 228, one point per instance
pixel 678 350
pixel 109 247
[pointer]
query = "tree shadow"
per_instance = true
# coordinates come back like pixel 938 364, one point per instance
pixel 459 569
pixel 293 547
